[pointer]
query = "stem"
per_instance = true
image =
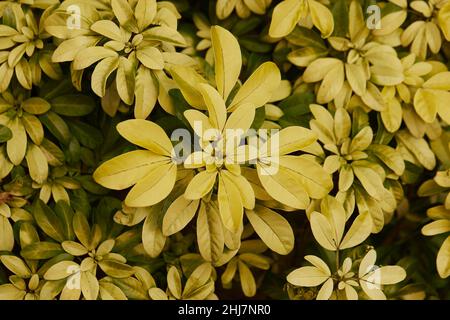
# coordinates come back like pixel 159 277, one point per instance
pixel 337 260
pixel 336 290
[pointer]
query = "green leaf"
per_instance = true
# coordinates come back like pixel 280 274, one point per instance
pixel 74 105
pixel 56 125
pixel 48 221
pixel 5 134
pixel 41 250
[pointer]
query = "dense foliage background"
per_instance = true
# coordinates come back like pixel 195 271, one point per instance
pixel 92 205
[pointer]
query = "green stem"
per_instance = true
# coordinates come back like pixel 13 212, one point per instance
pixel 337 260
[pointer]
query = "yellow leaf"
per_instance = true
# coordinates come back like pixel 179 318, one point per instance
pixel 157 294
pixel 154 187
pixel 342 124
pixel 146 93
pixel 290 139
pixel 285 17
pixel 215 105
pixel 37 163
pixel 255 260
pixel 442 108
pixel 36 106
pixel 198 278
pixel 373 98
pixel 188 80
pixel 210 237
pixel 146 134
pixel 178 215
pixel 61 270
pixel 174 282
pixel 230 204
pixel 444 20
pixel 200 185
pixel 16 146
pixel 6 234
pixel 68 49
pixel 91 55
pixel 389 157
pixel 326 290
pixel 230 271
pixel 125 80
pixel 390 23
pixel 33 127
pixel 227 60
pixel 426 104
pixel 362 140
pixel 433 37
pixel 366 203
pixel 392 115
pixel 333 210
pixel 346 178
pixel 316 181
pixel 318 69
pixel 16 266
pixel 248 283
pixel 165 85
pixel 443 259
pixel 150 57
pixel 101 74
pixel 108 29
pixel 153 239
pixel 283 186
pixel 331 84
pixel 124 13
pixel 419 148
pixel 356 77
pixel 369 179
pixel 436 227
pixel 389 274
pixel 164 34
pixel 356 26
pixel 224 8
pixel 367 263
pixel 109 291
pixel 10 292
pixel 322 18
pixel 307 277
pixel 272 228
pixel 145 12
pixel 241 118
pixel 244 187
pixel 89 285
pixel 259 87
pixel 323 231
pixel 358 232
pixel 125 170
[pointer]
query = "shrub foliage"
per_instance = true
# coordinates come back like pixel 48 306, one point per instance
pixel 119 178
